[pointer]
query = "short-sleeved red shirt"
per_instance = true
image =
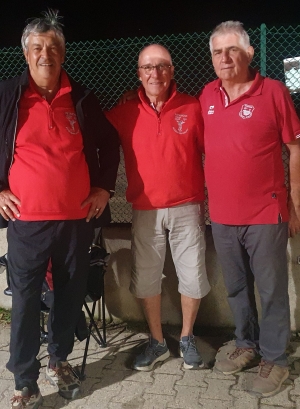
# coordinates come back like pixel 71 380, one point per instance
pixel 243 151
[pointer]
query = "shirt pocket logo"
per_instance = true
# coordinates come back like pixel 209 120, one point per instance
pixel 73 128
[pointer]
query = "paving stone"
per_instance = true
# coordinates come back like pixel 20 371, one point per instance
pixel 297 402
pixel 6 393
pixel 296 389
pixel 163 384
pixel 215 404
pixel 218 389
pixel 272 407
pixel 131 393
pixel 173 366
pixel 94 368
pixel 157 401
pixel 5 373
pixel 187 397
pixel 101 396
pixel 194 378
pixel 140 376
pixel 4 335
pixel 122 361
pixel 127 341
pixel 79 403
pixel 281 399
pixel 112 384
pixel 244 400
pixel 117 405
pixel 244 381
pixel 110 379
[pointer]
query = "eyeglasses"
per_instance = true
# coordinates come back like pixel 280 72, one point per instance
pixel 159 67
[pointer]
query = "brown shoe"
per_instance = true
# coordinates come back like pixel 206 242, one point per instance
pixel 63 376
pixel 236 360
pixel 269 379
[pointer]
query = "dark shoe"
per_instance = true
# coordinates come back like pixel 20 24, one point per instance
pixel 63 376
pixel 189 352
pixel 154 352
pixel 22 399
pixel 269 379
pixel 236 360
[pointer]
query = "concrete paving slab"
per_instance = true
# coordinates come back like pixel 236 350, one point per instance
pixel 112 384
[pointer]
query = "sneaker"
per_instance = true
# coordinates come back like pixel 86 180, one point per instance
pixel 236 360
pixel 189 352
pixel 269 379
pixel 22 399
pixel 154 352
pixel 64 377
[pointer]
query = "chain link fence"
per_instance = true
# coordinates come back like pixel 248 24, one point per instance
pixel 109 68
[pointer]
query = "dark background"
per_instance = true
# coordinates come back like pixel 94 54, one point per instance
pixel 98 19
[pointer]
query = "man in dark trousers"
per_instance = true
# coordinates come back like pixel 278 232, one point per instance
pixel 247 118
pixel 58 165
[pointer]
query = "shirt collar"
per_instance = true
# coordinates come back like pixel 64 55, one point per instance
pixel 256 86
pixel 254 90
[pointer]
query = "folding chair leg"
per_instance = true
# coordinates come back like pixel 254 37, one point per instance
pixel 103 317
pixel 100 340
pixel 82 374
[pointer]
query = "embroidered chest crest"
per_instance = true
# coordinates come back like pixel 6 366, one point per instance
pixel 246 111
pixel 73 128
pixel 181 124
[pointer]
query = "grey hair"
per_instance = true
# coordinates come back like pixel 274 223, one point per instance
pixel 227 27
pixel 49 22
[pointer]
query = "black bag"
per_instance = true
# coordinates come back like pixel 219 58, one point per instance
pixel 98 262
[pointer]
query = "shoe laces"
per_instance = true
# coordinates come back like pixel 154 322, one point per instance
pixel 265 369
pixel 65 373
pixel 190 344
pixel 150 349
pixel 238 352
pixel 20 399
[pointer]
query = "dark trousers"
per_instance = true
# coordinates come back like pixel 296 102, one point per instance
pixel 30 247
pixel 257 252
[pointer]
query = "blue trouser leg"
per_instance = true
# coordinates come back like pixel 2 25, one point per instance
pixel 267 247
pixel 239 282
pixel 259 250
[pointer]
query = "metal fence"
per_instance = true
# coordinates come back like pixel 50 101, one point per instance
pixel 109 68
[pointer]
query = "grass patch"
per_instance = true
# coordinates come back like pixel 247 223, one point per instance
pixel 5 316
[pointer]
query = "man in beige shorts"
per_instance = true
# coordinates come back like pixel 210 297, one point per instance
pixel 161 132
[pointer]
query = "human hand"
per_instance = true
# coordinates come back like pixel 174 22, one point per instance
pixel 8 205
pixel 294 219
pixel 97 199
pixel 128 96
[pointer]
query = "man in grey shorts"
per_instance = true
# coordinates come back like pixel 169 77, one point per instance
pixel 247 118
pixel 161 133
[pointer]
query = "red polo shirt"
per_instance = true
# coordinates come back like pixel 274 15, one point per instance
pixel 49 173
pixel 243 151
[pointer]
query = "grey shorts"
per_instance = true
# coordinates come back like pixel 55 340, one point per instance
pixel 186 228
